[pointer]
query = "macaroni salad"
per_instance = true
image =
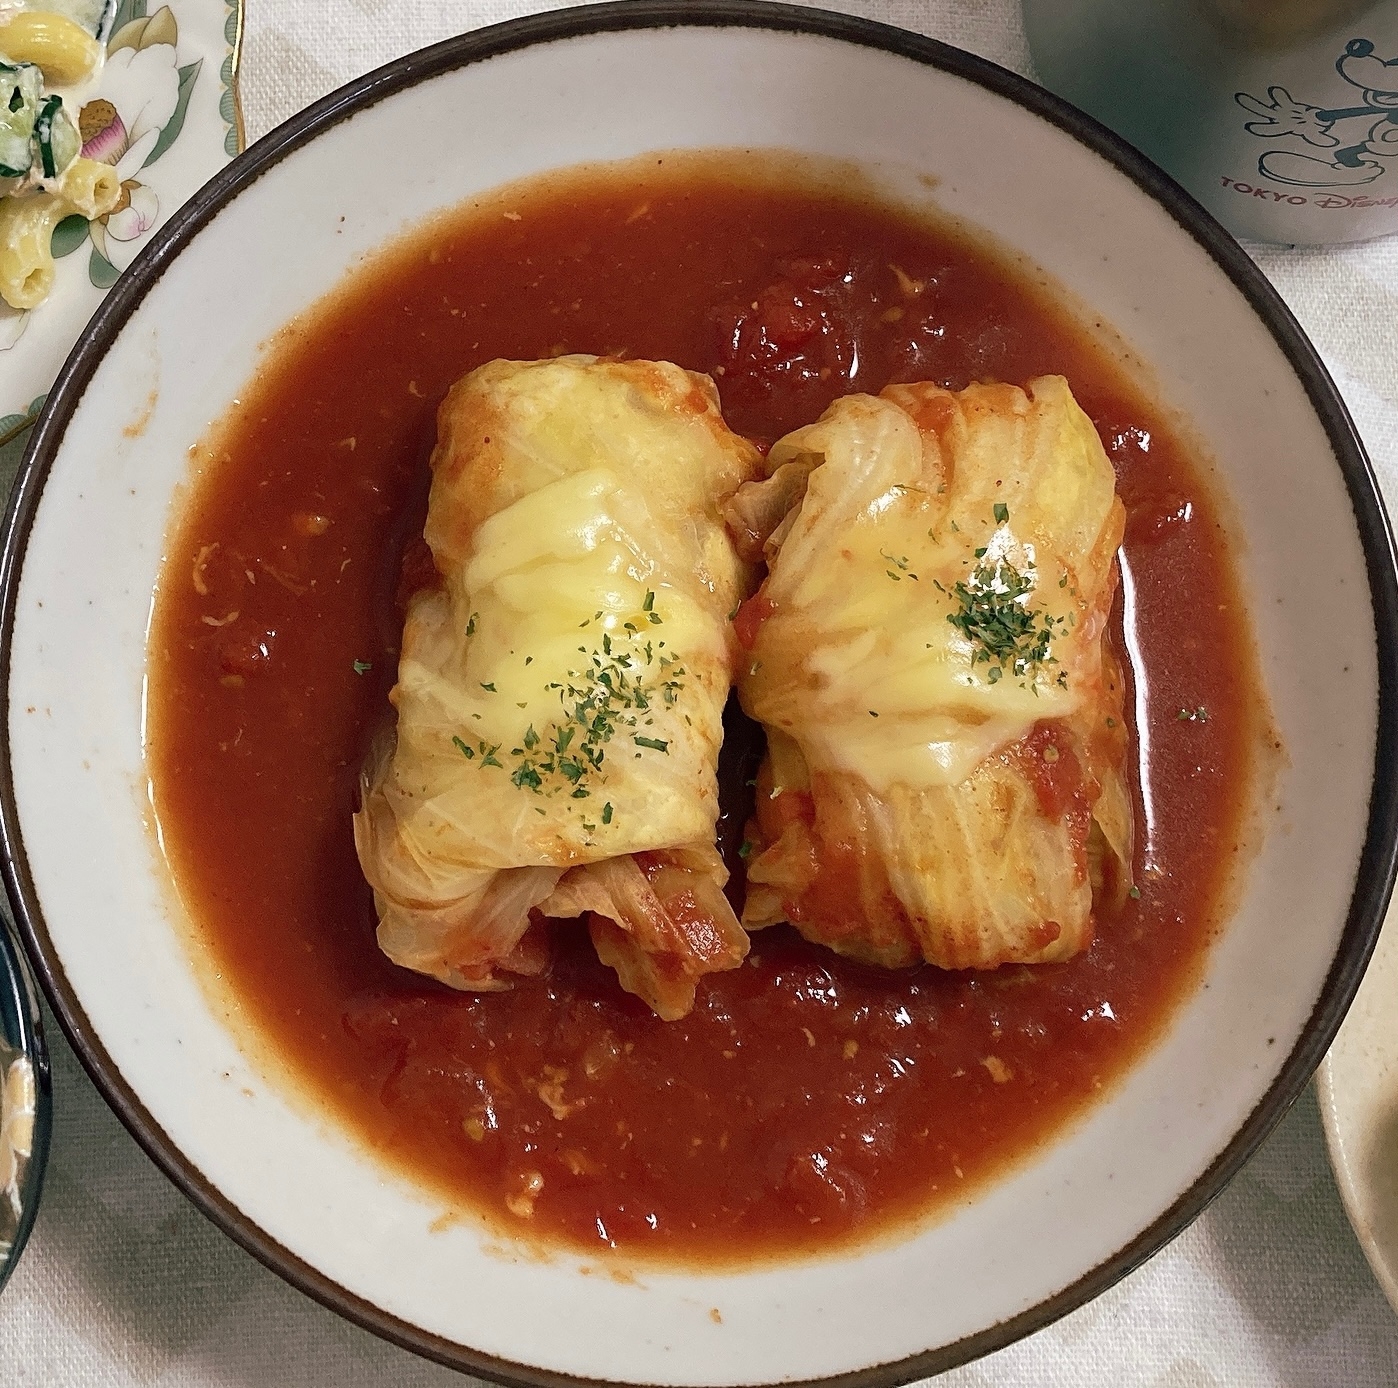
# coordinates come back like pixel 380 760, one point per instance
pixel 43 174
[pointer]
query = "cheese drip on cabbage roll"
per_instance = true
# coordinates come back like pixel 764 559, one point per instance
pixel 929 655
pixel 560 691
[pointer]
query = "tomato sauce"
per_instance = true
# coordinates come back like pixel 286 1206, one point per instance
pixel 806 1101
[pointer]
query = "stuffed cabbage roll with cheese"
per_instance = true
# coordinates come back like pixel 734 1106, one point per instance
pixel 929 655
pixel 561 689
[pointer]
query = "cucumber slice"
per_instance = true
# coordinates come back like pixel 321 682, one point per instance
pixel 21 88
pixel 16 155
pixel 64 140
pixel 43 136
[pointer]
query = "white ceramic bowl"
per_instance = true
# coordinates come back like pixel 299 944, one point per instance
pixel 279 229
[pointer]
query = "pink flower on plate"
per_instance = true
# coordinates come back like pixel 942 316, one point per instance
pixel 140 93
pixel 103 131
pixel 116 235
pixel 135 214
pixel 140 90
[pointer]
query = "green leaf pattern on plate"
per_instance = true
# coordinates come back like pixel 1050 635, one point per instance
pixel 175 124
pixel 68 235
pixel 101 271
pixel 14 438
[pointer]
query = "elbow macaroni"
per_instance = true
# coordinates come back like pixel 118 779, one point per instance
pixel 26 262
pixel 66 53
pixel 27 223
pixel 90 188
pixel 35 203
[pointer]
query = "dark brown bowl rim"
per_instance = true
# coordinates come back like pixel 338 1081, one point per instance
pixel 1374 880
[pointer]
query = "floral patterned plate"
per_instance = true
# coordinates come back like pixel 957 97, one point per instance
pixel 165 114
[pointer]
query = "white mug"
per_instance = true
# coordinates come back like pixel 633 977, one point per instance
pixel 1280 116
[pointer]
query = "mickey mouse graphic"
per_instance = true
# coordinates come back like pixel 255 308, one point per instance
pixel 1351 165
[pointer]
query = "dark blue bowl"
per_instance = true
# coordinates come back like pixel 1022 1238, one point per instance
pixel 21 1042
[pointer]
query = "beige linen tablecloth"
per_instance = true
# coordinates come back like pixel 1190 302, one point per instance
pixel 125 1284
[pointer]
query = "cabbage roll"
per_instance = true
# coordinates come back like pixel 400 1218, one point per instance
pixel 945 777
pixel 560 691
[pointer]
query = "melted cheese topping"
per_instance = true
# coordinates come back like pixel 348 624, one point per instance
pixel 561 699
pixel 933 529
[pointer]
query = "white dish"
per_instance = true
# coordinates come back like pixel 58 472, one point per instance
pixel 278 230
pixel 1358 1087
pixel 164 112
